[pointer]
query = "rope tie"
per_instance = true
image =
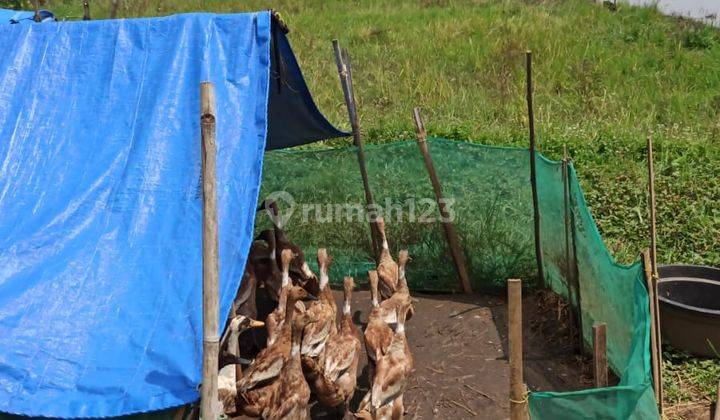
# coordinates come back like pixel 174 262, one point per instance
pixel 523 401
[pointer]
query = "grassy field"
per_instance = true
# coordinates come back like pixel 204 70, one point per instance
pixel 604 81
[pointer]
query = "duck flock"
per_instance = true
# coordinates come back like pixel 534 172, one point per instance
pixel 284 344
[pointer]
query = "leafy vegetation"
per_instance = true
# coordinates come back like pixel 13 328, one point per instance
pixel 604 80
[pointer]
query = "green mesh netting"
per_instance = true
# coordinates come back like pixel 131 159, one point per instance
pixel 489 188
pixel 492 206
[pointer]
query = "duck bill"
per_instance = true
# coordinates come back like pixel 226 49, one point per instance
pixel 309 297
pixel 256 324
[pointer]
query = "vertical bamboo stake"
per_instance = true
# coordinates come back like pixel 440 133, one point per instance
pixel 450 233
pixel 717 404
pixel 654 356
pixel 533 170
pixel 86 10
pixel 571 267
pixel 653 265
pixel 651 190
pixel 114 6
pixel 346 81
pixel 36 16
pixel 515 348
pixel 210 293
pixel 600 355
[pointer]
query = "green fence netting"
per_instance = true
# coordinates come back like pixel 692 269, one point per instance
pixel 488 190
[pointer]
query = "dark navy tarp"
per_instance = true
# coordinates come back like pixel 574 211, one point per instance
pixel 21 16
pixel 100 204
pixel 294 119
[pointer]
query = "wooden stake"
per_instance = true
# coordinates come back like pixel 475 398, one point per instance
pixel 450 233
pixel 533 170
pixel 571 269
pixel 654 356
pixel 653 264
pixel 210 291
pixel 515 348
pixel 345 73
pixel 36 16
pixel 651 190
pixel 600 355
pixel 86 10
pixel 717 404
pixel 114 6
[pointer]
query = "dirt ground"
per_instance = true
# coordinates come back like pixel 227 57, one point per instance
pixel 460 350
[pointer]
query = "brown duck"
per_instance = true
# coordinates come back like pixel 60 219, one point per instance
pixel 387 267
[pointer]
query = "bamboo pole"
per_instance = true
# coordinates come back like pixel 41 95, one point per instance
pixel 651 190
pixel 654 356
pixel 36 16
pixel 571 270
pixel 653 264
pixel 518 401
pixel 210 293
pixel 600 366
pixel 717 404
pixel 533 169
pixel 114 6
pixel 450 234
pixel 86 10
pixel 345 73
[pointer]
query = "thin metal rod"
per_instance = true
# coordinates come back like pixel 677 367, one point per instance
pixel 210 295
pixel 600 365
pixel 345 73
pixel 515 350
pixel 533 170
pixel 654 356
pixel 450 233
pixel 653 264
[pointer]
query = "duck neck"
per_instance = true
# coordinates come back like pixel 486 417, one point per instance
pixel 346 305
pixel 233 345
pixel 282 300
pixel 402 285
pixel 374 295
pixel 272 249
pixel 307 272
pixel 285 278
pixel 400 328
pixel 324 279
pixel 296 342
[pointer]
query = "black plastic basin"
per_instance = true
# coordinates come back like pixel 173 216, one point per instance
pixel 690 308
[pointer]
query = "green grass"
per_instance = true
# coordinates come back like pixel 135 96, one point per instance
pixel 603 81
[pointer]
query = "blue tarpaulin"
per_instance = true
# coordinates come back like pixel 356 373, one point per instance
pixel 21 16
pixel 100 204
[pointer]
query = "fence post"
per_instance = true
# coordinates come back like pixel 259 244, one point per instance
pixel 518 401
pixel 348 92
pixel 571 269
pixel 210 295
pixel 450 233
pixel 533 169
pixel 86 10
pixel 114 6
pixel 653 265
pixel 655 357
pixel 717 404
pixel 36 15
pixel 600 366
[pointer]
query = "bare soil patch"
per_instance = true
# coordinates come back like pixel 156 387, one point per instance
pixel 460 350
